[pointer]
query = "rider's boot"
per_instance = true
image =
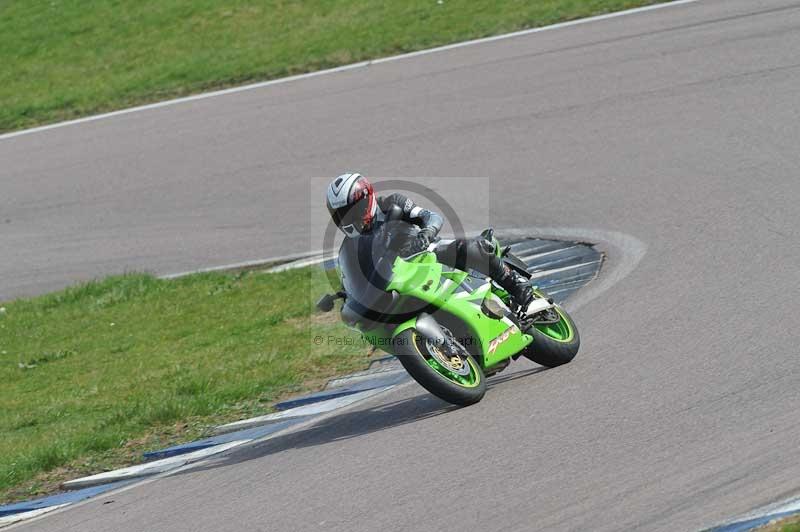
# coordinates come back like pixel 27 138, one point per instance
pixel 516 285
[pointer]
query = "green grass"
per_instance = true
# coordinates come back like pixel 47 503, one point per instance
pixel 96 374
pixel 787 524
pixel 68 58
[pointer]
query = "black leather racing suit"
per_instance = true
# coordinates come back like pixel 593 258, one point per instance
pixel 422 227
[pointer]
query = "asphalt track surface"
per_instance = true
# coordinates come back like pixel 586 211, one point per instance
pixel 679 127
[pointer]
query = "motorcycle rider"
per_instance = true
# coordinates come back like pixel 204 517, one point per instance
pixel 356 210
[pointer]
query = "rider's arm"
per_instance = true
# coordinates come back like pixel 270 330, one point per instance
pixel 431 222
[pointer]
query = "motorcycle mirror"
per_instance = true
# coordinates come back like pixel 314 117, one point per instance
pixel 325 303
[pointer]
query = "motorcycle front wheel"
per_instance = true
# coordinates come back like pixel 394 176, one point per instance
pixel 555 342
pixel 454 377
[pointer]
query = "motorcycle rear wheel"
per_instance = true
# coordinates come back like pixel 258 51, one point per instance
pixel 420 359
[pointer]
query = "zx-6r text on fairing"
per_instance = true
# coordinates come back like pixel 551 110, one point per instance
pixel 448 328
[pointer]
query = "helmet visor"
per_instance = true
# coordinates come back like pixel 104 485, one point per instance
pixel 356 217
pixel 353 219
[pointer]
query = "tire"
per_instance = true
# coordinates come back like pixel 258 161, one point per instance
pixel 554 345
pixel 413 353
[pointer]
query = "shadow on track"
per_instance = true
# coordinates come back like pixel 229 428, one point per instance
pixel 352 424
pixel 508 377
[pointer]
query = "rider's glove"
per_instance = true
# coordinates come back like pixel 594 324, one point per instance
pixel 407 240
pixel 418 244
pixel 425 237
pixel 429 234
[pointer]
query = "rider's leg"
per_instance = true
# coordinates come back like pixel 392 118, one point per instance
pixel 515 284
pixel 478 254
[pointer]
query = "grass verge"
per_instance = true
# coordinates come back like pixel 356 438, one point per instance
pixel 64 59
pixel 98 373
pixel 787 524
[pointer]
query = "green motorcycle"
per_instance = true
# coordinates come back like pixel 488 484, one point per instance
pixel 450 329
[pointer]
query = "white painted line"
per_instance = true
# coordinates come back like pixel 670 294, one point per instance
pixel 302 425
pixel 623 254
pixel 16 518
pixel 560 291
pixel 150 468
pixel 300 263
pixel 300 411
pixel 245 264
pixel 544 254
pixel 530 31
pixel 545 273
pixel 287 262
pixel 344 68
pixel 791 505
pixel 347 380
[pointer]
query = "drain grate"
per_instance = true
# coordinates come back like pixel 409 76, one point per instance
pixel 559 267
